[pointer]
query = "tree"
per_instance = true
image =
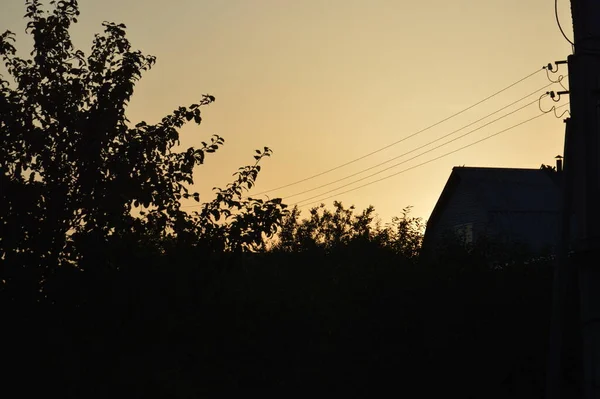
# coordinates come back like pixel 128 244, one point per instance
pixel 405 234
pixel 324 228
pixel 328 230
pixel 79 180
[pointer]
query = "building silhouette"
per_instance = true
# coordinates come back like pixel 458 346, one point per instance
pixel 505 205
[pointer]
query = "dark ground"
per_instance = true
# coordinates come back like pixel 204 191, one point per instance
pixel 288 325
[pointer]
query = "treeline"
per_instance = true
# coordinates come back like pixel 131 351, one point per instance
pixel 109 288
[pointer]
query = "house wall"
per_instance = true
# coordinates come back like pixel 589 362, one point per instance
pixel 538 230
pixel 462 212
pixel 507 205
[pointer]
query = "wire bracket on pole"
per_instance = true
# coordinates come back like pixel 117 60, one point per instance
pixel 554 70
pixel 550 68
pixel 555 96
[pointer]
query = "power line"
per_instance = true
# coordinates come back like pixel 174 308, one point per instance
pixel 558 23
pixel 429 143
pixel 401 140
pixel 426 162
pixel 421 154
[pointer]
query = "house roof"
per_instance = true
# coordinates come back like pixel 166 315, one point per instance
pixel 505 189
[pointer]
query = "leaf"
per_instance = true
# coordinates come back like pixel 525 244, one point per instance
pixel 200 156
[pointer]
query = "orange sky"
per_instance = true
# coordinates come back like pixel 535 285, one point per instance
pixel 324 82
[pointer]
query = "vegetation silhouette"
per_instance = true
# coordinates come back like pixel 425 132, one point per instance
pixel 108 288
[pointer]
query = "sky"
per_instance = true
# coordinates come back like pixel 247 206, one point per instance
pixel 325 82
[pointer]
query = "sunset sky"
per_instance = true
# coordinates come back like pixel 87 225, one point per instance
pixel 326 82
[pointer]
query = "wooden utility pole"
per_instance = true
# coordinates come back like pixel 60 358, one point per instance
pixel 584 89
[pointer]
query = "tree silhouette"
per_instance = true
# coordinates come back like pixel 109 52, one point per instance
pixel 80 183
pixel 328 230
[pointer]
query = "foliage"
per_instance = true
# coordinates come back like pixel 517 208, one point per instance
pixel 328 230
pixel 404 235
pixel 548 167
pixel 232 222
pixel 79 181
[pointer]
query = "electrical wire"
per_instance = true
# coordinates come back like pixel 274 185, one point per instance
pixel 558 23
pixel 553 108
pixel 429 143
pixel 558 80
pixel 419 155
pixel 401 140
pixel 424 163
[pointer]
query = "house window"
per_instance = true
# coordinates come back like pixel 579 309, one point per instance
pixel 465 232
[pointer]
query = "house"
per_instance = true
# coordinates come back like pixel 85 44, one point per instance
pixel 503 204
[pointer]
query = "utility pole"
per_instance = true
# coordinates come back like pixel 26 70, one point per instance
pixel 584 90
pixel 565 339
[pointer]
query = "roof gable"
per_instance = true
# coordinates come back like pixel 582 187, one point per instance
pixel 513 190
pixel 503 189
